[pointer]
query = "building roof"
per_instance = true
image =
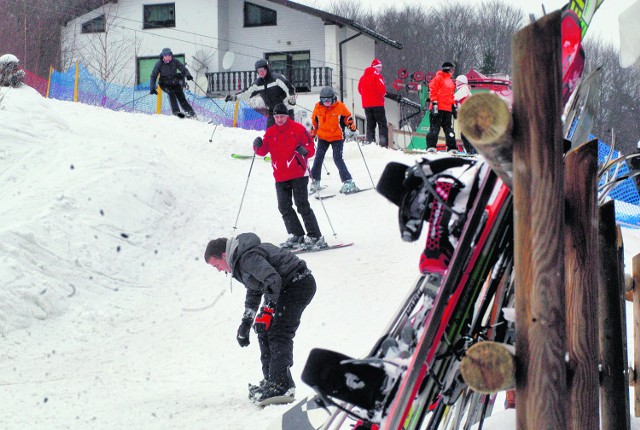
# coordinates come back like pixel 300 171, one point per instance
pixel 335 19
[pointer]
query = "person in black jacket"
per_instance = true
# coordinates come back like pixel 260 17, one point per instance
pixel 171 81
pixel 272 87
pixel 285 285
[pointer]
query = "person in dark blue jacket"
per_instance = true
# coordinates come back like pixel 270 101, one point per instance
pixel 171 81
pixel 285 286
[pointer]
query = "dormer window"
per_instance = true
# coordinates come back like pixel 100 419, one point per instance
pixel 159 15
pixel 259 16
pixel 96 25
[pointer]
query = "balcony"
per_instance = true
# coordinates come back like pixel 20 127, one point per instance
pixel 304 80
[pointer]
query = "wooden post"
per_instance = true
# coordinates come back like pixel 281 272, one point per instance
pixel 581 274
pixel 613 385
pixel 541 378
pixel 636 332
pixel 486 122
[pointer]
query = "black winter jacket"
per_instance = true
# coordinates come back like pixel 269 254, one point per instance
pixel 273 89
pixel 168 73
pixel 263 268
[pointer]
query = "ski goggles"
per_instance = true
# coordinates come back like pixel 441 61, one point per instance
pixel 326 99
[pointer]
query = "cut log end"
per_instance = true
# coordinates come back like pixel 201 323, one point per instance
pixel 489 367
pixel 485 118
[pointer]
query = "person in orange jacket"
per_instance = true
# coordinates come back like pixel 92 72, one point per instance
pixel 328 122
pixel 442 106
pixel 372 89
pixel 290 146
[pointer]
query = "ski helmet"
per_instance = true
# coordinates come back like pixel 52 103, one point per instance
pixel 261 63
pixel 166 51
pixel 328 93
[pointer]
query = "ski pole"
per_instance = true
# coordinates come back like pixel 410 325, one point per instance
pixel 323 207
pixel 212 101
pixel 245 189
pixel 132 101
pixel 365 165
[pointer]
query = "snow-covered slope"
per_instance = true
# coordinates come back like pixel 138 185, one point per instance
pixel 109 316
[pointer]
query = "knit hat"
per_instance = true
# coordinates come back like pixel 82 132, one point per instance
pixel 166 51
pixel 447 66
pixel 376 62
pixel 280 109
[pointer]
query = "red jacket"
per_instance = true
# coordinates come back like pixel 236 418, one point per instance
pixel 281 141
pixel 372 88
pixel 441 90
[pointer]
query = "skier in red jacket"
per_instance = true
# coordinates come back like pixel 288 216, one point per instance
pixel 291 145
pixel 372 89
pixel 441 90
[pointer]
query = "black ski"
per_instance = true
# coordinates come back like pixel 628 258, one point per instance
pixel 305 250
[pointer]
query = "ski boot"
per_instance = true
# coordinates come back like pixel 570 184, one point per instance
pixel 349 187
pixel 276 390
pixel 315 186
pixel 314 243
pixel 292 242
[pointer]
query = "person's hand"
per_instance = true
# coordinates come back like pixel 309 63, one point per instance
pixel 229 98
pixel 189 78
pixel 264 318
pixel 351 134
pixel 302 150
pixel 353 127
pixel 153 91
pixel 434 108
pixel 292 100
pixel 242 336
pixel 257 143
pixel 454 111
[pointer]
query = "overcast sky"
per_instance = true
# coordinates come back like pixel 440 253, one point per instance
pixel 604 24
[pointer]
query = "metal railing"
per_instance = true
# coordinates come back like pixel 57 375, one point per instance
pixel 303 79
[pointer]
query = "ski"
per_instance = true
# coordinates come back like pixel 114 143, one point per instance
pixel 359 190
pixel 306 250
pixel 248 157
pixel 322 187
pixel 583 109
pixel 328 196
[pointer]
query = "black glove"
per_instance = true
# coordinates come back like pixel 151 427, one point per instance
pixel 302 150
pixel 434 108
pixel 454 111
pixel 189 78
pixel 257 143
pixel 243 332
pixel 229 98
pixel 153 91
pixel 264 318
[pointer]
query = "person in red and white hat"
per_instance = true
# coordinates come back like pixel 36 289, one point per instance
pixel 372 89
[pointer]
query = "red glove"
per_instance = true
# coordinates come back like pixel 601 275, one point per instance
pixel 263 319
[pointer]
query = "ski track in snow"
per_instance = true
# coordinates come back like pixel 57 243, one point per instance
pixel 109 317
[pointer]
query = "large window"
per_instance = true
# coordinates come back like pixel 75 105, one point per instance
pixel 159 15
pixel 295 66
pixel 258 16
pixel 96 25
pixel 145 67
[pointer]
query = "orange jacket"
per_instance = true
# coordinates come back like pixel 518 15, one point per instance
pixel 441 90
pixel 328 122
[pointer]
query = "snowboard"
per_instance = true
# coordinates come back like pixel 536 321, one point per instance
pixel 305 250
pixel 248 157
pixel 276 400
pixel 307 414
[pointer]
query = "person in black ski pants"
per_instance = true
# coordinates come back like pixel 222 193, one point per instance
pixel 272 87
pixel 285 285
pixel 171 81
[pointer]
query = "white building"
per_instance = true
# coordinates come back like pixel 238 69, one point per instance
pixel 220 40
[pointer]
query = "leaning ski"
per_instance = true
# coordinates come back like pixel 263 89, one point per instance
pixel 303 250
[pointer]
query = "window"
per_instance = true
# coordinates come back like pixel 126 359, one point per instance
pixel 96 25
pixel 295 66
pixel 159 15
pixel 257 16
pixel 145 67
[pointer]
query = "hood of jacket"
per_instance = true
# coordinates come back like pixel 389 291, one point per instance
pixel 239 245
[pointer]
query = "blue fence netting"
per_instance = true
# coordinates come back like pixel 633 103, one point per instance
pixel 94 91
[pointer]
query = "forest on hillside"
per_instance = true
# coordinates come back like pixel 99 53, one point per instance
pixel 477 37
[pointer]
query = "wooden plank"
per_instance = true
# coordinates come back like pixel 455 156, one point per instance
pixel 581 265
pixel 541 385
pixel 613 385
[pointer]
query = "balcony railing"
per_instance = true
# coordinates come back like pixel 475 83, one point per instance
pixel 304 80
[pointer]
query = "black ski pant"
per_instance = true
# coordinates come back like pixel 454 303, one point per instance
pixel 377 115
pixel 296 190
pixel 441 119
pixel 276 345
pixel 337 147
pixel 176 95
